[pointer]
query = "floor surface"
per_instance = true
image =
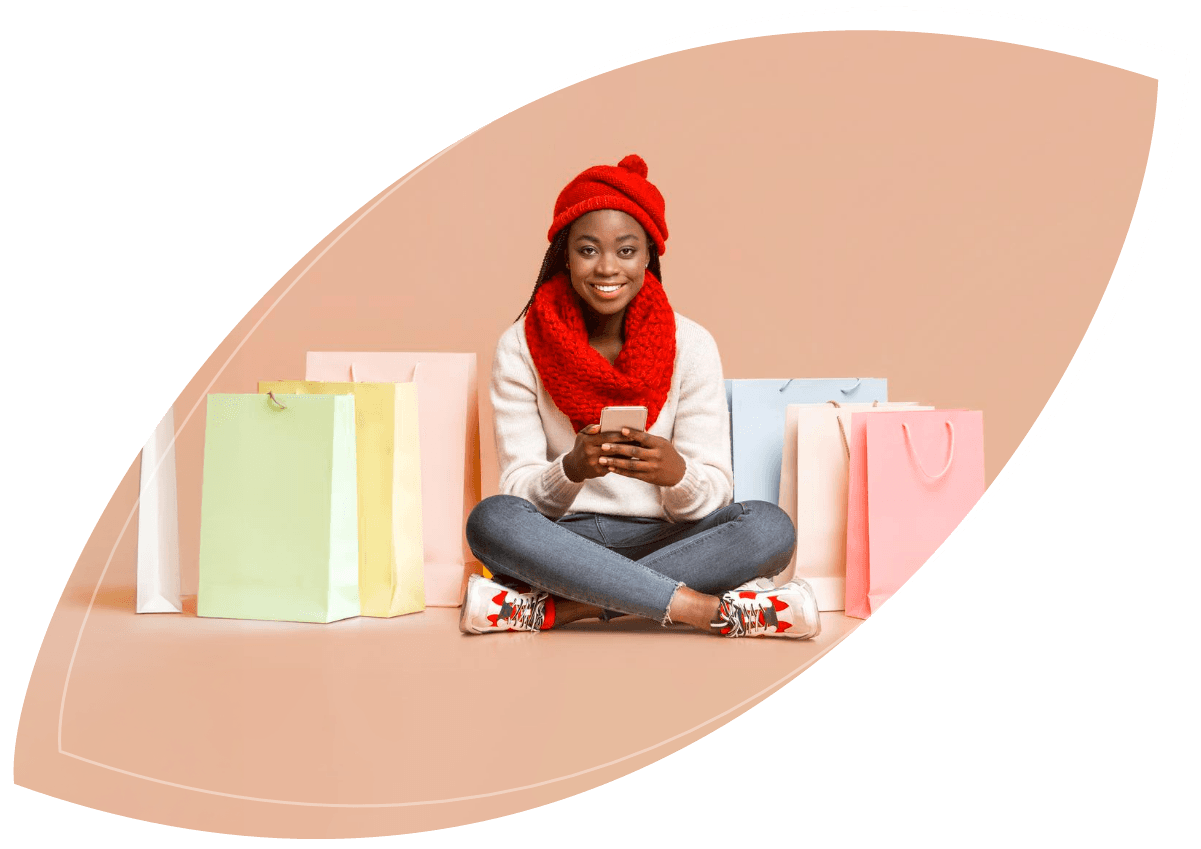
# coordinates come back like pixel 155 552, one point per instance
pixel 364 726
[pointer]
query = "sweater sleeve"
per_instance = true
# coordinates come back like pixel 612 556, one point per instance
pixel 701 436
pixel 521 446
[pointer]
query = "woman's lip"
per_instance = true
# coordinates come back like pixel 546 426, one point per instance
pixel 606 295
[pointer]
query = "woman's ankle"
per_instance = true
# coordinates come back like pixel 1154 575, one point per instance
pixel 567 611
pixel 693 608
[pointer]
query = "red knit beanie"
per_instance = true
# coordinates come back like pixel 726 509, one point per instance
pixel 624 188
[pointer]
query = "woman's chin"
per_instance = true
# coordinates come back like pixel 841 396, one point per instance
pixel 607 305
pixel 609 308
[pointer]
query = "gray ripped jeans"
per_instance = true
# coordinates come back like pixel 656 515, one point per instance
pixel 629 564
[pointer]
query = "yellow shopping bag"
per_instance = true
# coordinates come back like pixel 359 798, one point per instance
pixel 391 568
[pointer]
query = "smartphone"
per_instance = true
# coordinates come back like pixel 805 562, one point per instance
pixel 613 419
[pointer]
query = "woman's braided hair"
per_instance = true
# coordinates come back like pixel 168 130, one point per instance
pixel 555 261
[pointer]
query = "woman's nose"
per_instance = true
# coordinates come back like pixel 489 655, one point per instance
pixel 608 264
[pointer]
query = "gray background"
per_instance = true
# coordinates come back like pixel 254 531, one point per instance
pixel 1004 721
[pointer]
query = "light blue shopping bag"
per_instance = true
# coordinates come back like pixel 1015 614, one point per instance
pixel 757 410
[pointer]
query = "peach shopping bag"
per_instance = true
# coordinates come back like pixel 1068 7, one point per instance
pixel 813 492
pixel 912 477
pixel 449 435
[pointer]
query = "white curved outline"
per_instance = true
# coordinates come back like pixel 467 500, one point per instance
pixel 388 192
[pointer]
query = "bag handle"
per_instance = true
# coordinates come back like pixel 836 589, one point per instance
pixel 842 431
pixel 917 460
pixel 281 404
pixel 413 379
pixel 843 391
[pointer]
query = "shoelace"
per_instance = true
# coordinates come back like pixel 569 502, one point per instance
pixel 741 616
pixel 529 611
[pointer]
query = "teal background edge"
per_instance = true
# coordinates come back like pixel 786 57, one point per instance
pixel 971 711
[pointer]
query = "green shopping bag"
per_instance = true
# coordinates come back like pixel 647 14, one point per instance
pixel 279 511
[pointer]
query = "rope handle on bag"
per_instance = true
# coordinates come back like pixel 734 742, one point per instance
pixel 281 404
pixel 842 431
pixel 917 460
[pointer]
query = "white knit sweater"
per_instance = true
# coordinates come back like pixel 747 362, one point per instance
pixel 533 435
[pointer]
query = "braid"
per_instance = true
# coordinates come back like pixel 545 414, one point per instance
pixel 555 260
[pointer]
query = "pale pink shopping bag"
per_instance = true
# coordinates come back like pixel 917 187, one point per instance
pixel 813 492
pixel 449 433
pixel 912 477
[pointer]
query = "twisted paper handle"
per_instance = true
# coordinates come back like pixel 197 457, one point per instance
pixel 917 460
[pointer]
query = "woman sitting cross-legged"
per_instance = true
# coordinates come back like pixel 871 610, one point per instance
pixel 630 522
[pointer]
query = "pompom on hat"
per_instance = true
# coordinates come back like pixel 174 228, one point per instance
pixel 624 188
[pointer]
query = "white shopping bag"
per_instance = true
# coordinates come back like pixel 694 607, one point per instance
pixel 158 524
pixel 813 492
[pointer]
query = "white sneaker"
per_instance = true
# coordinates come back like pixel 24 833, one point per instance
pixel 755 584
pixel 759 609
pixel 490 607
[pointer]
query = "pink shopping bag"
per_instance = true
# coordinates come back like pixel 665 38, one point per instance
pixel 449 434
pixel 912 477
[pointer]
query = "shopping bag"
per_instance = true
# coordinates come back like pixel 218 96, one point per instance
pixel 912 478
pixel 813 492
pixel 391 575
pixel 450 450
pixel 158 523
pixel 757 424
pixel 278 509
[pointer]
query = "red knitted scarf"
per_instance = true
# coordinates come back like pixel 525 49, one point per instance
pixel 579 380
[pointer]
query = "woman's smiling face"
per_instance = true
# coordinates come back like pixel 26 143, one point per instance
pixel 607 256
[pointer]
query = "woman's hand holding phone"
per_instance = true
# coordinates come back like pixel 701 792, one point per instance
pixel 583 461
pixel 643 456
pixel 630 453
